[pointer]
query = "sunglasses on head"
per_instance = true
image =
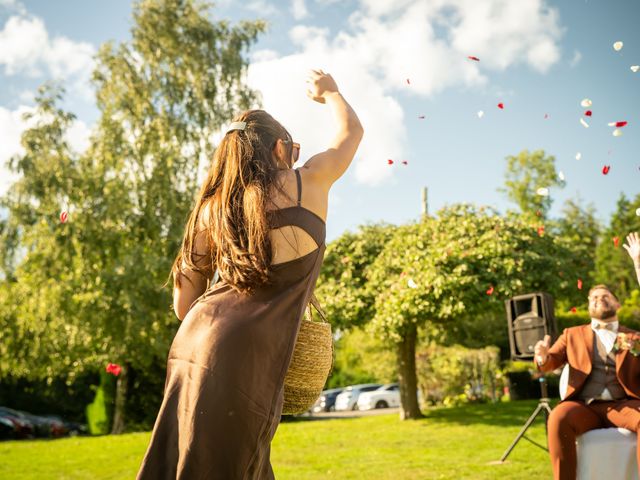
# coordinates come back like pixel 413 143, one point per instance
pixel 295 149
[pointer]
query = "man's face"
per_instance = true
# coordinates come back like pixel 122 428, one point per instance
pixel 602 305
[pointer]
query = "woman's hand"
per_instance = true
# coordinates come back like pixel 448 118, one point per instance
pixel 633 247
pixel 320 85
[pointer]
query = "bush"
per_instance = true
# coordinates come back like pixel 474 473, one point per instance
pixel 100 411
pixel 452 375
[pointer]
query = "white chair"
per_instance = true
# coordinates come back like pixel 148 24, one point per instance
pixel 604 453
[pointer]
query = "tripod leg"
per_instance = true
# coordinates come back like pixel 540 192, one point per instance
pixel 526 426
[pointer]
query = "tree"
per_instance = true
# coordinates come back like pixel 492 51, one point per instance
pixel 526 173
pixel 464 262
pixel 613 266
pixel 98 277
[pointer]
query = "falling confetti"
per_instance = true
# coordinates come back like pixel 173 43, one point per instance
pixel 578 156
pixel 588 113
pixel 480 114
pixel 114 369
pixel 635 68
pixel 638 212
pixel 618 124
pixel 616 241
pixel 408 82
pixel 64 216
pixel 618 46
pixel 586 103
pixel 561 176
pixel 471 57
pixel 421 117
pixel 538 213
pixel 546 115
pixel 606 169
pixel 573 310
pixel 501 106
pixel 541 230
pixel 490 290
pixel 543 192
pixel 412 284
pixel 404 162
pixel 583 123
pixel 617 132
pixel 389 162
pixel 579 284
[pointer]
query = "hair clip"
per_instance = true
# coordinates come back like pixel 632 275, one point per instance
pixel 236 126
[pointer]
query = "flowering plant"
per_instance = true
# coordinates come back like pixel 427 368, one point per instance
pixel 628 341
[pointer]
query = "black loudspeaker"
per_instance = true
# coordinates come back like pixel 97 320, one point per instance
pixel 530 318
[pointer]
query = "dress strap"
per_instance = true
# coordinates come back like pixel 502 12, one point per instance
pixel 299 181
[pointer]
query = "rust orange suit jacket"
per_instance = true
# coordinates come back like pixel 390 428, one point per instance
pixel 575 346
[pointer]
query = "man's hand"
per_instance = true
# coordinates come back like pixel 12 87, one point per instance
pixel 541 350
pixel 633 247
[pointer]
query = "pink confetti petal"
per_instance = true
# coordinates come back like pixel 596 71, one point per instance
pixel 579 284
pixel 546 115
pixel 616 241
pixel 471 57
pixel 588 113
pixel 490 290
pixel 114 369
pixel 404 162
pixel 620 124
pixel 501 106
pixel 64 216
pixel 408 82
pixel 605 169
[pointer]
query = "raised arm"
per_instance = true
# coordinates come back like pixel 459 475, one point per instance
pixel 328 166
pixel 633 248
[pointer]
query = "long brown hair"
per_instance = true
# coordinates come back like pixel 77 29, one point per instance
pixel 236 193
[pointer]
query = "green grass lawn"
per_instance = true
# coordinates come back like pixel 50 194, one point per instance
pixel 450 443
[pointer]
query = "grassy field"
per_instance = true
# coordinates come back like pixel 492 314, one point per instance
pixel 453 443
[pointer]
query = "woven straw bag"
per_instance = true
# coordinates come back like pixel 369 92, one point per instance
pixel 310 364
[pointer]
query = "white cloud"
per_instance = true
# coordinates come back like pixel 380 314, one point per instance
pixel 27 49
pixel 388 41
pixel 577 56
pixel 262 7
pixel 299 9
pixel 12 125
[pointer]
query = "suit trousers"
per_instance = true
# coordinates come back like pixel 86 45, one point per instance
pixel 572 418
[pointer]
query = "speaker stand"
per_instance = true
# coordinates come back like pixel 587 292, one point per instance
pixel 544 408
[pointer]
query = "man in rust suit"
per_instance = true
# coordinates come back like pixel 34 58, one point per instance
pixel 604 375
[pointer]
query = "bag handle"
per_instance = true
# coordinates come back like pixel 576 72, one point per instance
pixel 313 300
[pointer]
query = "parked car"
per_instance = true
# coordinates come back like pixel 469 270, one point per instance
pixel 23 427
pixel 8 429
pixel 327 400
pixel 349 397
pixel 384 397
pixel 71 428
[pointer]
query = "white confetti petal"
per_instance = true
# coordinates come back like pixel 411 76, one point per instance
pixel 635 68
pixel 561 176
pixel 612 124
pixel 578 156
pixel 543 192
pixel 617 132
pixel 586 103
pixel 480 114
pixel 584 124
pixel 638 212
pixel 412 284
pixel 618 46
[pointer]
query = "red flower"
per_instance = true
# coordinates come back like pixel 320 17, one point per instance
pixel 114 369
pixel 588 113
pixel 501 106
pixel 490 291
pixel 471 57
pixel 606 169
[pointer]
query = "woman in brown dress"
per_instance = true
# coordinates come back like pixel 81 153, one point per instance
pixel 260 224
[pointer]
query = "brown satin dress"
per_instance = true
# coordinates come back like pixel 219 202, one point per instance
pixel 223 393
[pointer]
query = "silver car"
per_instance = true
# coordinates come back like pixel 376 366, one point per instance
pixel 348 399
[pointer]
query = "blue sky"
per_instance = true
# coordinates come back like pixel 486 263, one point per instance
pixel 542 61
